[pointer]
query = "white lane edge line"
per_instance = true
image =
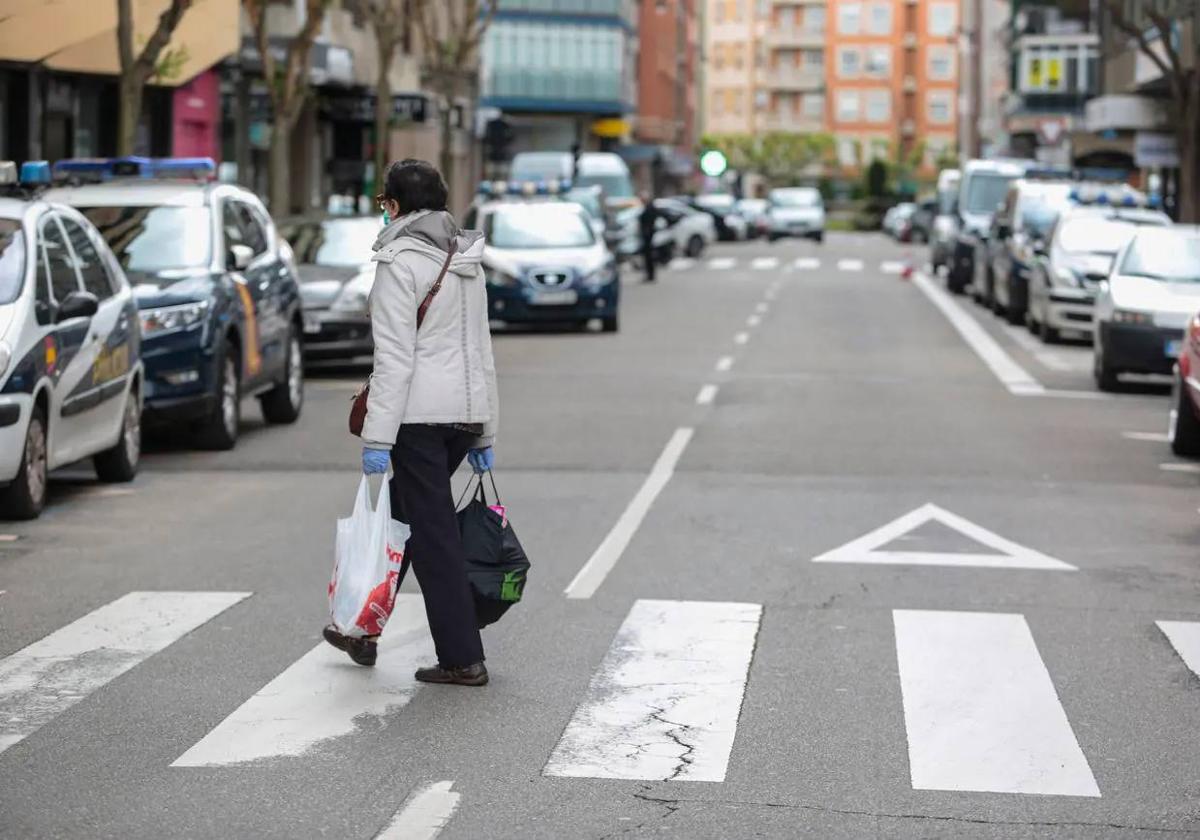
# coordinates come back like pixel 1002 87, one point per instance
pixel 1148 437
pixel 707 394
pixel 741 338
pixel 753 321
pixel 424 814
pixel 1184 636
pixel 1011 375
pixel 762 308
pixel 724 364
pixel 606 555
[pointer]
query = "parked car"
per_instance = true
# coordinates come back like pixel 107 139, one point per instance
pixel 1183 426
pixel 797 211
pixel 692 230
pixel 1144 307
pixel 897 220
pixel 332 255
pixel 731 226
pixel 756 212
pixel 70 352
pixel 983 186
pixel 215 287
pixel 921 224
pixel 544 263
pixel 1019 230
pixel 945 222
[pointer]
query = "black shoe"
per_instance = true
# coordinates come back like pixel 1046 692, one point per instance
pixel 470 675
pixel 362 651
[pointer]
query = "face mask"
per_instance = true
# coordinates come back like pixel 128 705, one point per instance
pixel 387 219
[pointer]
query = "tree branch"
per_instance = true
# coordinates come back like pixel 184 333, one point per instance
pixel 1165 37
pixel 161 36
pixel 1144 46
pixel 295 87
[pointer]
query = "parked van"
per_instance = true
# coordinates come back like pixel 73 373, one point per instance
pixel 596 169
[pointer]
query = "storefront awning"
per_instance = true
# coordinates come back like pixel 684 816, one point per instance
pixel 80 36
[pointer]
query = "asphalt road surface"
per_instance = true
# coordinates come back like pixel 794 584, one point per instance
pixel 818 551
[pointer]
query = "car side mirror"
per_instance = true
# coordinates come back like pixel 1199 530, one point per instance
pixel 78 304
pixel 239 257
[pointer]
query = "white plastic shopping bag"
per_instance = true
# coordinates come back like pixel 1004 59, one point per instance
pixel 366 570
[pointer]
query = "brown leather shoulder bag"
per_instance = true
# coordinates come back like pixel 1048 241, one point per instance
pixel 358 404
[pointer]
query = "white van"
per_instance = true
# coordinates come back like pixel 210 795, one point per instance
pixel 596 169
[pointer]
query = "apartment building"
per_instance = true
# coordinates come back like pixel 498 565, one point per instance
pixel 892 75
pixel 664 135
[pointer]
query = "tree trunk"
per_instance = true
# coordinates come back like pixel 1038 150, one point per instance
pixel 383 118
pixel 1189 161
pixel 446 160
pixel 279 167
pixel 130 113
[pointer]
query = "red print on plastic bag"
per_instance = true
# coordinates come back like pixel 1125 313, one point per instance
pixel 382 600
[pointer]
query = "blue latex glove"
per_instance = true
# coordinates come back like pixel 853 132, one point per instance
pixel 375 461
pixel 481 460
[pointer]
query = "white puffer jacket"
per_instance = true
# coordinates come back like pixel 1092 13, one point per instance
pixel 444 373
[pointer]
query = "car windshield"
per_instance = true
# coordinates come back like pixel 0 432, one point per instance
pixel 615 184
pixel 12 260
pixel 538 227
pixel 1094 236
pixel 1167 254
pixel 795 198
pixel 335 242
pixel 153 239
pixel 985 190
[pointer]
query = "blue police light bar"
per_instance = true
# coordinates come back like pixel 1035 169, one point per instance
pixel 35 172
pixel 135 167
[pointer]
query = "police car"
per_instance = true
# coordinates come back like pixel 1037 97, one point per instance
pixel 71 376
pixel 543 260
pixel 215 287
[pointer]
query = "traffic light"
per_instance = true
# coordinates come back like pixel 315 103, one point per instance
pixel 498 137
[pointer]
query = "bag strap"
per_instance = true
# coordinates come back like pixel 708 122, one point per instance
pixel 436 287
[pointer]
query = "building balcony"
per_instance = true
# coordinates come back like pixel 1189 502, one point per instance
pixel 786 78
pixel 789 122
pixel 623 9
pixel 795 36
pixel 561 90
pixel 1058 65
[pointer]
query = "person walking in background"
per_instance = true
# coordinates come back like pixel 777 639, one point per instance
pixel 432 402
pixel 647 225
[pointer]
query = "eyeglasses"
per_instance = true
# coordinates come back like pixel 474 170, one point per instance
pixel 380 199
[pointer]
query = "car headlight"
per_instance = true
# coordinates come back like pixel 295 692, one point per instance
pixel 5 357
pixel 602 276
pixel 496 277
pixel 351 299
pixel 1128 316
pixel 162 319
pixel 1066 277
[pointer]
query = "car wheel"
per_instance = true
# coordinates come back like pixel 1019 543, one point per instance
pixel 1102 371
pixel 282 403
pixel 1047 333
pixel 121 462
pixel 695 246
pixel 819 238
pixel 26 496
pixel 1183 430
pixel 220 429
pixel 1013 314
pixel 611 325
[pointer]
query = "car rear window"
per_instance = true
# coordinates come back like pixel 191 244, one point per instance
pixel 1164 254
pixel 796 198
pixel 12 260
pixel 155 238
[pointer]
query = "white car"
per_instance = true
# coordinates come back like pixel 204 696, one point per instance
pixel 1144 307
pixel 691 230
pixel 71 371
pixel 797 211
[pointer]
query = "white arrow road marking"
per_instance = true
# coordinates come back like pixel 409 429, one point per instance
pixel 867 549
pixel 424 813
pixel 1184 636
pixel 807 263
pixel 664 704
pixel 1011 375
pixel 602 561
pixel 39 682
pixel 980 710
pixel 721 263
pixel 850 265
pixel 681 263
pixel 322 695
pixel 764 263
pixel 891 267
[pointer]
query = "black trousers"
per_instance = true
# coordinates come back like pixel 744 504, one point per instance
pixel 648 258
pixel 423 460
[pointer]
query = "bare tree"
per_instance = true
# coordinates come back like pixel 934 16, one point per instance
pixel 288 88
pixel 390 21
pixel 138 68
pixel 1183 82
pixel 451 33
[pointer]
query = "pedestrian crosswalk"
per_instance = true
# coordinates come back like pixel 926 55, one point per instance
pixel 775 264
pixel 981 710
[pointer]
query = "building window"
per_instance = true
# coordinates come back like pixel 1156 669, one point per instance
pixel 814 60
pixel 814 105
pixel 941 63
pixel 849 18
pixel 880 20
pixel 814 19
pixel 940 107
pixel 847 151
pixel 943 19
pixel 738 103
pixel 739 59
pixel 718 102
pixel 849 62
pixel 847 106
pixel 879 62
pixel 879 106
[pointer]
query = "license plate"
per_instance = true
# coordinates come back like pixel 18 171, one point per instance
pixel 312 324
pixel 560 297
pixel 1173 348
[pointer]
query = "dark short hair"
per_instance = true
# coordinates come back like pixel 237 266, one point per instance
pixel 415 185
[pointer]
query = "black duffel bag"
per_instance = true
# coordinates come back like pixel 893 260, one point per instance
pixel 496 563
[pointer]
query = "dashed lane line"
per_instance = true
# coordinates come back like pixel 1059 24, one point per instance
pixel 681 263
pixel 764 263
pixel 741 338
pixel 707 394
pixel 423 814
pixel 891 267
pixel 850 265
pixel 721 263
pixel 753 321
pixel 724 364
pixel 762 308
pixel 806 263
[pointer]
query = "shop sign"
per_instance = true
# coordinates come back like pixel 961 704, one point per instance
pixel 1152 149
